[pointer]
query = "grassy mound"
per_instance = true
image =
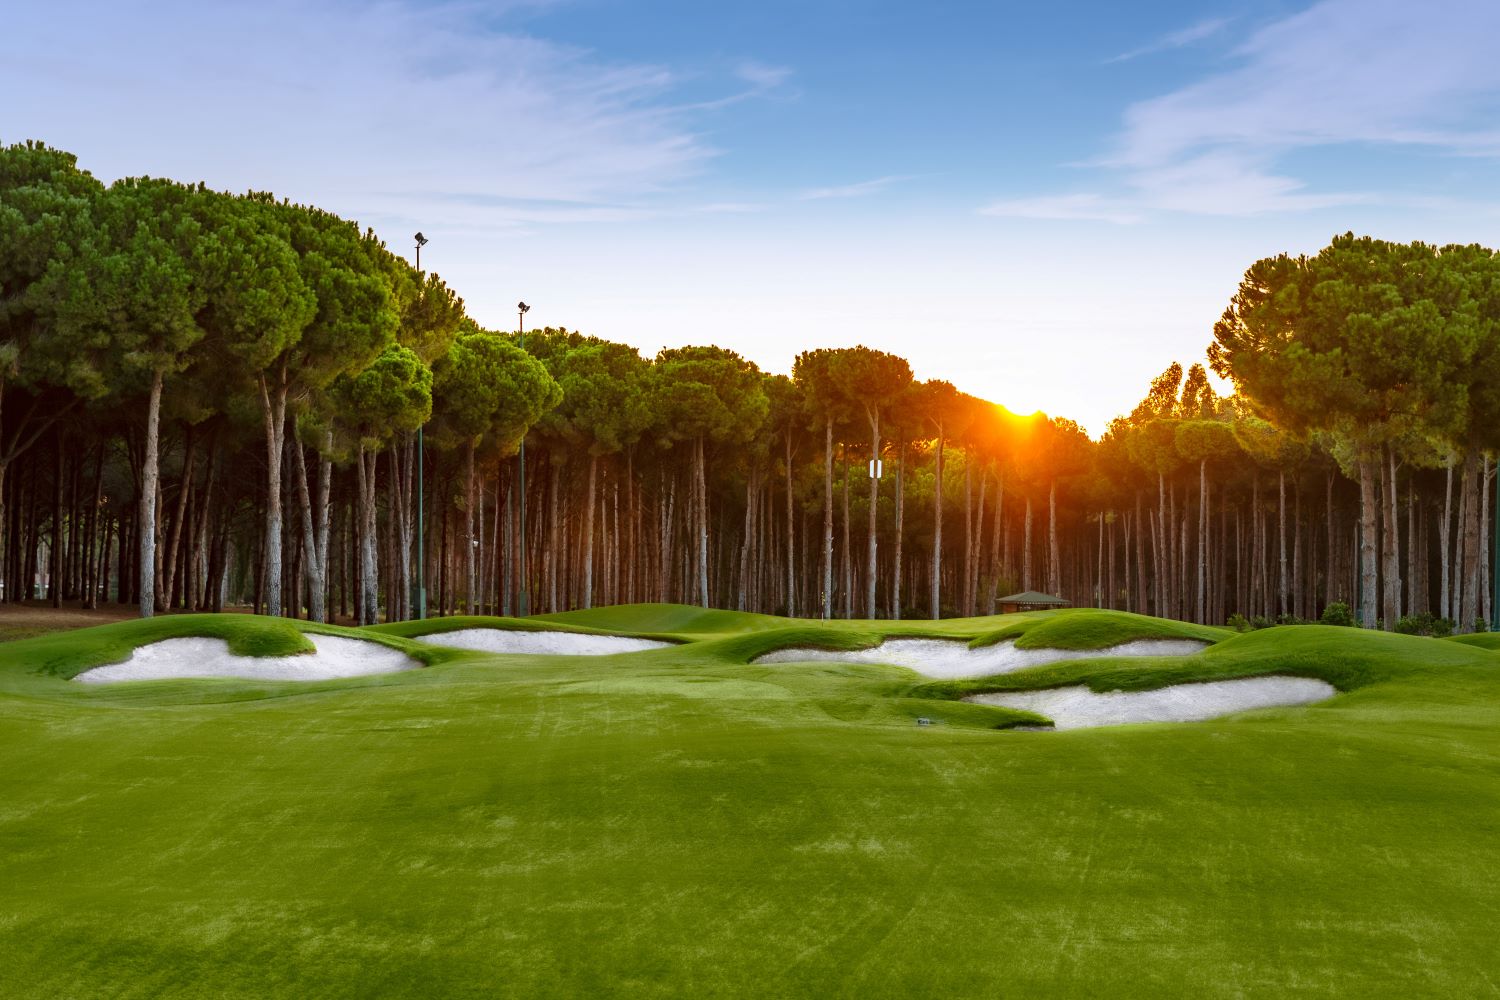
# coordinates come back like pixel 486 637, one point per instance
pixel 1089 628
pixel 455 623
pixel 1346 658
pixel 684 822
pixel 1483 640
pixel 63 655
pixel 647 620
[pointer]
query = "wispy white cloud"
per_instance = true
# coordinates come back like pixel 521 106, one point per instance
pixel 1176 40
pixel 1342 71
pixel 1228 182
pixel 392 109
pixel 730 208
pixel 1345 73
pixel 757 79
pixel 762 76
pixel 857 190
pixel 1082 207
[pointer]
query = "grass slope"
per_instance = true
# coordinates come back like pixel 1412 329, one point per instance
pixel 678 822
pixel 1086 628
pixel 432 627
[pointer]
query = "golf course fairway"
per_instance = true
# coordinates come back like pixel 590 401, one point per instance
pixel 681 822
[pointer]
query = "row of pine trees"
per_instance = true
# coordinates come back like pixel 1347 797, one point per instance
pixel 214 401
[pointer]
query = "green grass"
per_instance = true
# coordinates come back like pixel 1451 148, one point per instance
pixel 1086 628
pixel 679 822
pixel 431 628
pixel 1484 640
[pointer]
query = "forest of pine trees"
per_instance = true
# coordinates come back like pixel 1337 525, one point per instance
pixel 212 401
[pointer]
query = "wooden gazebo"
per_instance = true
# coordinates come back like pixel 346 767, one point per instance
pixel 1030 600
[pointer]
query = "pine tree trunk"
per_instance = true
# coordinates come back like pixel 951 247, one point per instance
pixel 1414 553
pixel 398 567
pixel 1172 594
pixel 1390 543
pixel 791 568
pixel 996 566
pixel 1201 608
pixel 1331 594
pixel 846 561
pixel 702 527
pixel 1098 565
pixel 315 608
pixel 1026 576
pixel 1142 596
pixel 1369 527
pixel 404 516
pixel 1253 602
pixel 666 511
pixel 323 516
pixel 554 533
pixel 976 558
pixel 874 415
pixel 1460 520
pixel 55 568
pixel 937 528
pixel 1299 591
pixel 1445 543
pixel 747 542
pixel 1161 555
pixel 1112 589
pixel 1054 566
pixel 273 410
pixel 1282 591
pixel 827 518
pixel 1484 541
pixel 96 561
pixel 500 546
pixel 508 556
pixel 965 593
pixel 203 535
pixel 184 490
pixel 900 530
pixel 1472 486
pixel 368 581
pixel 150 469
pixel 471 568
pixel 634 560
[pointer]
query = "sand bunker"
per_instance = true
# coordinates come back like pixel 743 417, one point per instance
pixel 1080 708
pixel 499 640
pixel 200 657
pixel 949 659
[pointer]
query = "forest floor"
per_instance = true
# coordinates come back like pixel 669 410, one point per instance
pixel 681 821
pixel 23 621
pixel 33 618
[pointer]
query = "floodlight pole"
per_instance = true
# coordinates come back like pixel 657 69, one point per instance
pixel 521 310
pixel 418 596
pixel 1495 563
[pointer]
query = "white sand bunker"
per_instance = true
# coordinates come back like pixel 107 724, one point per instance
pixel 949 659
pixel 199 657
pixel 499 640
pixel 1080 708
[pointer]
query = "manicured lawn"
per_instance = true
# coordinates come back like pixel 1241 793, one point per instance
pixel 680 823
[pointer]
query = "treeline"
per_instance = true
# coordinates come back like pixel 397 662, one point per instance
pixel 212 400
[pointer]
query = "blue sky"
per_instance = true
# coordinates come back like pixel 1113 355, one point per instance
pixel 1044 203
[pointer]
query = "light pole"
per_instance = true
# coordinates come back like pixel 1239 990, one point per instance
pixel 419 584
pixel 522 309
